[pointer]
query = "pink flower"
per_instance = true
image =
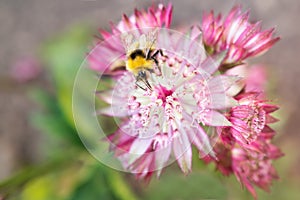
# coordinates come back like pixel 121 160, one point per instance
pixel 245 148
pixel 160 123
pixel 223 157
pixel 250 119
pixel 166 121
pixel 108 55
pixel 25 69
pixel 236 34
pixel 252 166
pixel 255 167
pixel 254 79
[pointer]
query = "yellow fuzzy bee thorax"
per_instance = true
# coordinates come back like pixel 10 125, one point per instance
pixel 138 63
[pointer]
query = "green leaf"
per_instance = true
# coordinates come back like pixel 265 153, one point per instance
pixel 64 55
pixel 93 188
pixel 121 189
pixel 17 181
pixel 41 188
pixel 102 183
pixel 51 120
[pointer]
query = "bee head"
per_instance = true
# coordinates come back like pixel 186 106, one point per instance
pixel 137 52
pixel 142 74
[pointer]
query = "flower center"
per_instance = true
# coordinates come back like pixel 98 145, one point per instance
pixel 258 120
pixel 163 93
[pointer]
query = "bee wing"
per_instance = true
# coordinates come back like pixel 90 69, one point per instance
pixel 128 42
pixel 143 42
pixel 151 39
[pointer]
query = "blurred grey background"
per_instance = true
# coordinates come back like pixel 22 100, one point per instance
pixel 25 24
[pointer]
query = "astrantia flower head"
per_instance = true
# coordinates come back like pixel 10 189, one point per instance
pixel 251 167
pixel 250 119
pixel 159 123
pixel 255 167
pixel 25 69
pixel 105 57
pixel 223 157
pixel 236 34
pixel 165 121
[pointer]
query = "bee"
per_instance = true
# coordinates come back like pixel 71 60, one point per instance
pixel 142 56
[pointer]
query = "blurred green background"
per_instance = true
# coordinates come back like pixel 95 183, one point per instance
pixel 41 154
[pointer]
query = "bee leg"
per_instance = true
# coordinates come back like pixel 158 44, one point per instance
pixel 147 84
pixel 136 82
pixel 155 60
pixel 150 70
pixel 158 51
pixel 161 52
pixel 157 65
pixel 142 76
pixel 153 57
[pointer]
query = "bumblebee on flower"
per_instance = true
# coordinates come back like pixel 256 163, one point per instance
pixel 165 120
pixel 142 56
pixel 168 85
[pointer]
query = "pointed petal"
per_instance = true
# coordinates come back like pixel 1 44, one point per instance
pixel 212 63
pixel 220 84
pixel 138 148
pixel 221 101
pixel 168 15
pixel 270 119
pixel 162 156
pixel 183 151
pixel 269 108
pixel 200 139
pixel 214 118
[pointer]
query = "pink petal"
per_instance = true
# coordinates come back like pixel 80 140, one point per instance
pixel 214 118
pixel 220 84
pixel 183 152
pixel 162 156
pixel 200 139
pixel 221 101
pixel 138 148
pixel 212 63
